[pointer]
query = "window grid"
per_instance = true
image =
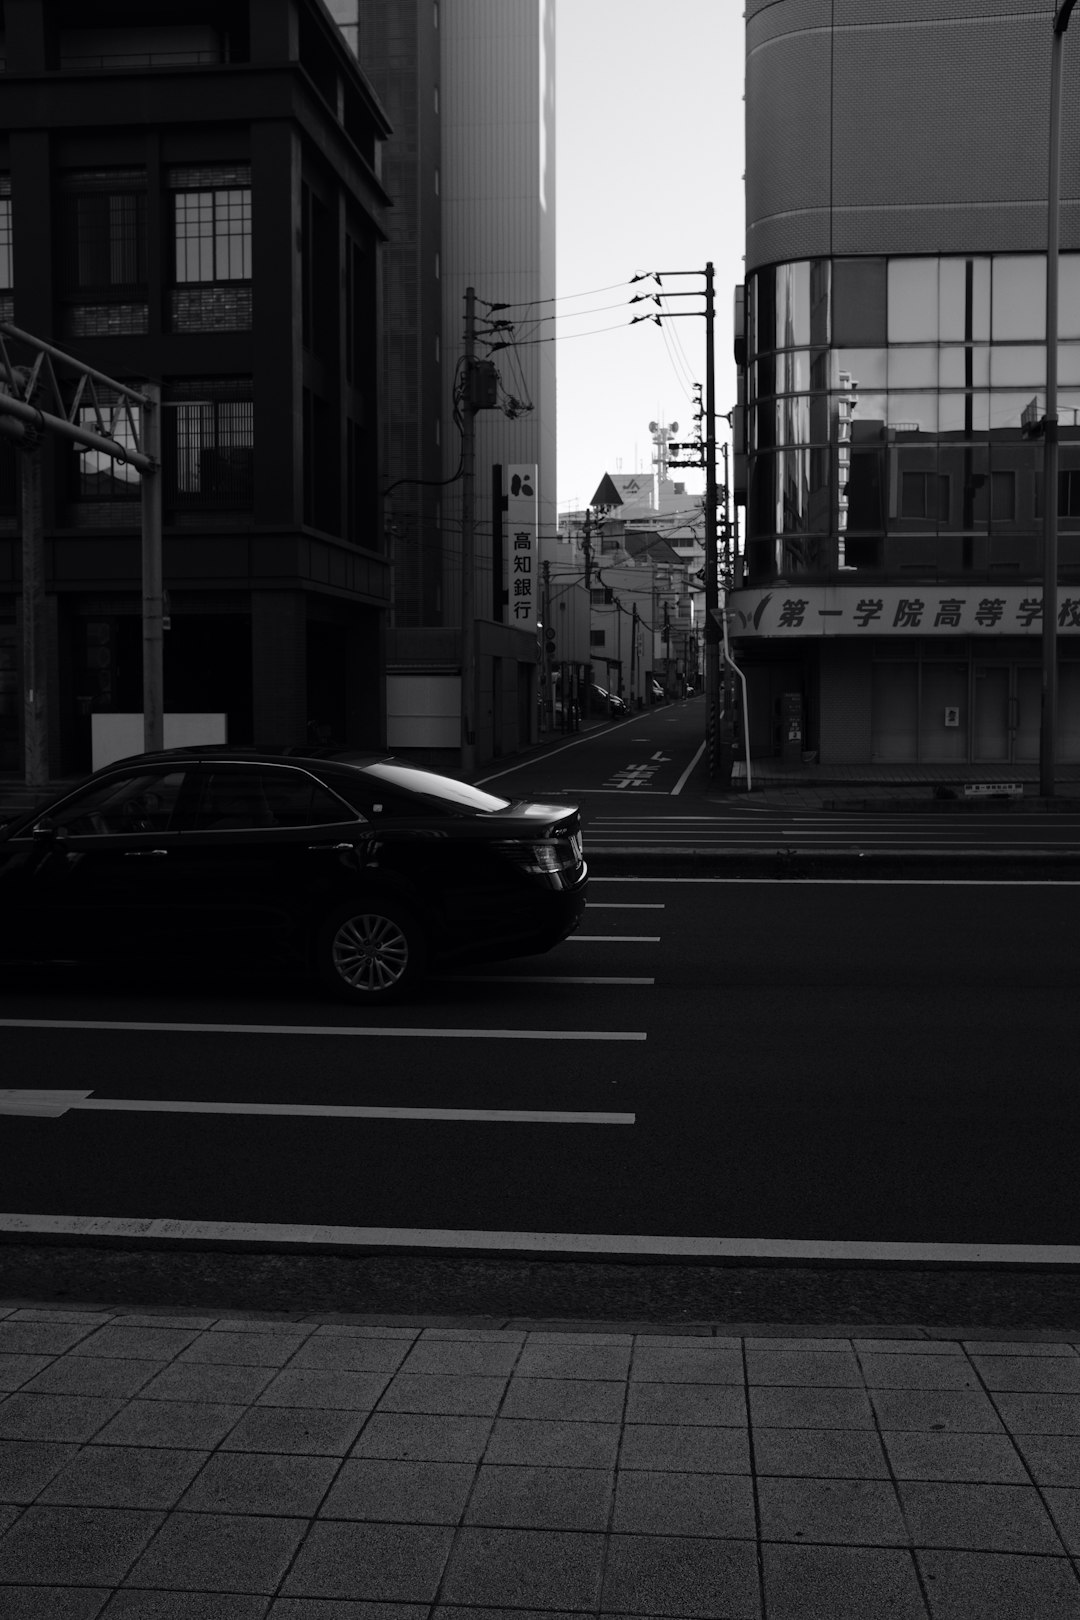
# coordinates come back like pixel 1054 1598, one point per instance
pixel 213 235
pixel 209 445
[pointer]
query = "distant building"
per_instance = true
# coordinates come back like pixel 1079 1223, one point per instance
pixel 469 87
pixel 190 193
pixel 896 184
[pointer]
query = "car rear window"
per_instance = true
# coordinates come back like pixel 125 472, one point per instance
pixel 443 790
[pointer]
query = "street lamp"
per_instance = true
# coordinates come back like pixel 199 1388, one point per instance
pixel 1048 713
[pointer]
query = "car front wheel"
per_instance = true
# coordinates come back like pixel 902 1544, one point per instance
pixel 371 951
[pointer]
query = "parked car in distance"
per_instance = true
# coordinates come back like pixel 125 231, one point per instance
pixel 361 867
pixel 615 705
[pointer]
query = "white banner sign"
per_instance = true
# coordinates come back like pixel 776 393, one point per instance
pixel 870 610
pixel 522 559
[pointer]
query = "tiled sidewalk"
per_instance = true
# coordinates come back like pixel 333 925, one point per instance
pixel 187 1467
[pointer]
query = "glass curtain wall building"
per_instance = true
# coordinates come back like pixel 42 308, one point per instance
pixel 889 604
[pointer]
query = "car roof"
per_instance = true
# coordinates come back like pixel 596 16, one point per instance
pixel 227 753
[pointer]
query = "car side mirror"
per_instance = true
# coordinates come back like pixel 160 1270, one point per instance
pixel 48 832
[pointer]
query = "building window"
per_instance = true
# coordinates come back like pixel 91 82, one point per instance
pixel 1003 497
pixel 213 235
pixel 209 444
pixel 924 495
pixel 103 252
pixel 211 228
pixel 597 638
pixel 99 476
pixel 6 262
pixel 1069 494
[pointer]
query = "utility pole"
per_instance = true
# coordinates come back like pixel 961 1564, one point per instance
pixel 35 725
pixel 1048 712
pixel 468 544
pixel 153 641
pixel 712 594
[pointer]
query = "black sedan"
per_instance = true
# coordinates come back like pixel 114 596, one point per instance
pixel 361 866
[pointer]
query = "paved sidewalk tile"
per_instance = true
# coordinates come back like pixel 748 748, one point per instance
pixel 456 1356
pixel 377 1488
pixel 337 1387
pixel 819 1453
pixel 685 1403
pixel 1027 1413
pixel 53 1602
pixel 1007 1587
pixel 978 1458
pixel 1064 1505
pixel 297 1431
pixel 465 1395
pixel 207 1381
pixel 27 1466
pixel 991 1518
pixel 660 1575
pixel 569 1359
pixel 918 1372
pixel 855 1512
pixel 155 1343
pixel 45 1337
pixel 787 1407
pixel 568 1398
pixel 246 1482
pixel 18 1370
pixel 823 1368
pixel 1045 1374
pixel 124 1476
pixel 677 1448
pixel 430 1438
pixel 92 1375
pixel 673 1504
pixel 398 1563
pixel 844 1583
pixel 55 1417
pixel 695 1365
pixel 1052 1459
pixel 936 1410
pixel 198 1425
pixel 76 1545
pixel 350 1353
pixel 548 1442
pixel 244 1349
pixel 219 1552
pixel 559 1569
pixel 541 1498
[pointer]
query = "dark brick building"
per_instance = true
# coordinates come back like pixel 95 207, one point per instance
pixel 190 193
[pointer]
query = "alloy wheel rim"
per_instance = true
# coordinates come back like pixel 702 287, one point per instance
pixel 371 953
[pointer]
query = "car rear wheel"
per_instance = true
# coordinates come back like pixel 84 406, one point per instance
pixel 371 951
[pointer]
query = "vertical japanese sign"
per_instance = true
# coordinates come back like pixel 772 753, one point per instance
pixel 522 553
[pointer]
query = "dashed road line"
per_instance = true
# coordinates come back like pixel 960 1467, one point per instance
pixel 54 1104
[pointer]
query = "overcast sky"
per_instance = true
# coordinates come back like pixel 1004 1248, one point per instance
pixel 649 143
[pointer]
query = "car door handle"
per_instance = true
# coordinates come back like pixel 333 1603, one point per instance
pixel 333 848
pixel 140 854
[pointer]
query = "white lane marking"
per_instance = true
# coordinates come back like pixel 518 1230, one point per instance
pixel 329 1029
pixel 681 783
pixel 165 1229
pixel 52 1104
pixel 613 939
pixel 533 978
pixel 863 882
pixel 525 764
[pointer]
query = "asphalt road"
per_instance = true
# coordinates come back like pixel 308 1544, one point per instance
pixel 712 1075
pixel 643 788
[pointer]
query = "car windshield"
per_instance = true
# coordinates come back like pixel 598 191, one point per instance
pixel 444 789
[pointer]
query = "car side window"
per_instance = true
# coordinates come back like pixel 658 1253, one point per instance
pixel 247 797
pixel 145 802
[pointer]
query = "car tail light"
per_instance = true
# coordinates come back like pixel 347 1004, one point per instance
pixel 544 856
